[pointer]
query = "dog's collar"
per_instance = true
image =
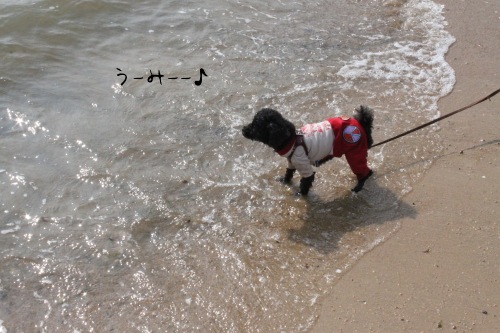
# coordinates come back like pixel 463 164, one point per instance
pixel 288 147
pixel 297 140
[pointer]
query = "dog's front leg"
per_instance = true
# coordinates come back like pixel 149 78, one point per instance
pixel 305 184
pixel 287 178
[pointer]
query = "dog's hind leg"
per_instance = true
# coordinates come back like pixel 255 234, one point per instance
pixel 361 183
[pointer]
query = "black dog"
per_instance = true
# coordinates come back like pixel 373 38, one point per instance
pixel 314 144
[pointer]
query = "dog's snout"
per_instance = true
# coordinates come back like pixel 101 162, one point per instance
pixel 247 132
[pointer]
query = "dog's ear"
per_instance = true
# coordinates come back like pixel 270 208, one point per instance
pixel 273 132
pixel 277 135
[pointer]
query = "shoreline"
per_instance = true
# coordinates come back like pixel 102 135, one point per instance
pixel 440 271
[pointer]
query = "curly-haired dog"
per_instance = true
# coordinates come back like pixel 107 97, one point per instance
pixel 314 144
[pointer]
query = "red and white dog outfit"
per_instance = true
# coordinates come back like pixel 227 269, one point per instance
pixel 333 137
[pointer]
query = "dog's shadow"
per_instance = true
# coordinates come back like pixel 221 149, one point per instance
pixel 349 218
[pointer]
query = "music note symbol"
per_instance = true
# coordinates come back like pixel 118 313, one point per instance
pixel 202 72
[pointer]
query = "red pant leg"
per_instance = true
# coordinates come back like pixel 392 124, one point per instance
pixel 358 163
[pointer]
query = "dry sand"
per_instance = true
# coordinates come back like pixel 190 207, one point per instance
pixel 441 271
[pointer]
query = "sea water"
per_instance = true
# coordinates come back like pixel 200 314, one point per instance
pixel 129 200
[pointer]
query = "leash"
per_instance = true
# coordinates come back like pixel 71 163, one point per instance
pixel 438 119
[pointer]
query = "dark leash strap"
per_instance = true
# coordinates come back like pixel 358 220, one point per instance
pixel 299 141
pixel 438 119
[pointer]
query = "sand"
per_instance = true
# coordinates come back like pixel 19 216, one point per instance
pixel 441 271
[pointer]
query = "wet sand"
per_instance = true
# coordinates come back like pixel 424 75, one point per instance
pixel 441 271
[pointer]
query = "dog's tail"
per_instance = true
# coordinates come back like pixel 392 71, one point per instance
pixel 364 115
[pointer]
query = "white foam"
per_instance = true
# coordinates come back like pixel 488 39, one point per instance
pixel 10 231
pixel 418 64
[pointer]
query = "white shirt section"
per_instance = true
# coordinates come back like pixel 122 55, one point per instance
pixel 318 139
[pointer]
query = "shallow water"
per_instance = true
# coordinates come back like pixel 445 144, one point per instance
pixel 138 206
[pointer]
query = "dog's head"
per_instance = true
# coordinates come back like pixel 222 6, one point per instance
pixel 269 127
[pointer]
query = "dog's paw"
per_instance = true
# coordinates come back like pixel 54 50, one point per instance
pixel 361 183
pixel 287 178
pixel 283 180
pixel 306 184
